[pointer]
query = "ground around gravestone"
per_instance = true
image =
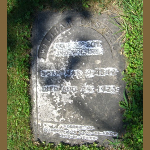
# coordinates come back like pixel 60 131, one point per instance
pixel 76 78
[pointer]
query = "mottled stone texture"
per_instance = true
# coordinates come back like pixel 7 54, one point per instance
pixel 76 78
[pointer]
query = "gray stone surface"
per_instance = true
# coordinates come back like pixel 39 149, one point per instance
pixel 76 78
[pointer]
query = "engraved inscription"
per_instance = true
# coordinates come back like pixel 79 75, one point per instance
pixel 52 88
pixel 73 131
pixel 66 89
pixel 79 48
pixel 110 89
pixel 79 74
pixel 87 88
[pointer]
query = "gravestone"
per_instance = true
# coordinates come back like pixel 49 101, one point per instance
pixel 76 78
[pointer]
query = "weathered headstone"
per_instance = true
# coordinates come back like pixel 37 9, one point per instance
pixel 76 78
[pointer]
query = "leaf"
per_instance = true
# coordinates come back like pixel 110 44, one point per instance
pixel 122 106
pixel 125 99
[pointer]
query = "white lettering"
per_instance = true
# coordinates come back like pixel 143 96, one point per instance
pixel 72 131
pixel 79 74
pixel 79 48
pixel 88 89
pixel 111 89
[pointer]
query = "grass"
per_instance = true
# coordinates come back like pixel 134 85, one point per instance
pixel 133 50
pixel 20 18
